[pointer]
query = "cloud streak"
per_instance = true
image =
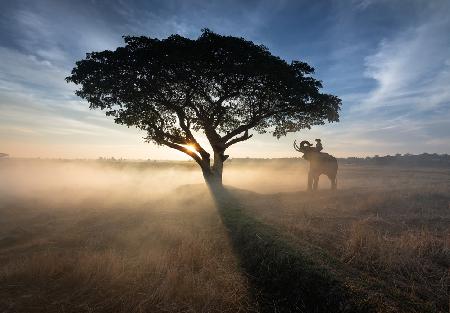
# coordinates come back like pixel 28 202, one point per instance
pixel 412 69
pixel 391 69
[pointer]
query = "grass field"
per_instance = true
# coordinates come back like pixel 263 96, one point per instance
pixel 85 236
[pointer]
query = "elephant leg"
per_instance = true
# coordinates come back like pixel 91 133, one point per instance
pixel 333 183
pixel 310 181
pixel 316 182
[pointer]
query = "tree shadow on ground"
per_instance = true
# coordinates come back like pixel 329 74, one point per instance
pixel 281 278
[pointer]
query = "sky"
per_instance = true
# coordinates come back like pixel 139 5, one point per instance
pixel 388 60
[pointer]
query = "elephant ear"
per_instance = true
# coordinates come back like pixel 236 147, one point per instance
pixel 305 142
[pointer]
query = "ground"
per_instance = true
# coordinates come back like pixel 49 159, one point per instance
pixel 85 236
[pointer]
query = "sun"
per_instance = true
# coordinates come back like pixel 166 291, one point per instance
pixel 191 148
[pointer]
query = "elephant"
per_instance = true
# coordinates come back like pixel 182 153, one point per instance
pixel 319 163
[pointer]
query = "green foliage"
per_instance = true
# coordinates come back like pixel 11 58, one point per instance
pixel 220 85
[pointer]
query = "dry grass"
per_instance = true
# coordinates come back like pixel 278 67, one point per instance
pixel 95 237
pixel 392 240
pixel 415 260
pixel 171 256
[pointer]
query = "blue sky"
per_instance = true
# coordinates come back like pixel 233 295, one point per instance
pixel 388 60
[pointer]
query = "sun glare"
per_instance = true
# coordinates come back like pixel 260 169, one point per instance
pixel 191 147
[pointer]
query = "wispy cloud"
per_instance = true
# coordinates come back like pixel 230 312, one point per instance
pixel 412 69
pixel 26 73
pixel 392 70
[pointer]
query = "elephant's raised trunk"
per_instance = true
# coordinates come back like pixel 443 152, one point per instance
pixel 301 148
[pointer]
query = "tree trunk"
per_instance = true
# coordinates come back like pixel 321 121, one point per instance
pixel 213 175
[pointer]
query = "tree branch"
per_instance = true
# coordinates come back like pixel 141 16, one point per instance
pixel 244 137
pixel 240 129
pixel 219 110
pixel 185 150
pixel 185 126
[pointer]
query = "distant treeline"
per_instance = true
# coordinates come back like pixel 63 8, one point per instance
pixel 405 160
pixel 408 160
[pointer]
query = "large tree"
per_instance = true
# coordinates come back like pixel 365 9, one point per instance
pixel 221 86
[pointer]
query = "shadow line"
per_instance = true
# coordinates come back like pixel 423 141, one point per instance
pixel 281 278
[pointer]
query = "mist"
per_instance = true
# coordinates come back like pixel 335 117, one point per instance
pixel 74 183
pixel 102 184
pixel 149 235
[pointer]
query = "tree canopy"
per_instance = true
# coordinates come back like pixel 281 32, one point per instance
pixel 220 85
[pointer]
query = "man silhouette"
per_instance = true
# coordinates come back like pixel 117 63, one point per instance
pixel 319 146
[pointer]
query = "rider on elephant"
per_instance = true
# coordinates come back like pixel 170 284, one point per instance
pixel 319 146
pixel 308 146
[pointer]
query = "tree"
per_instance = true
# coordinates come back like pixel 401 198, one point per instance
pixel 222 86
